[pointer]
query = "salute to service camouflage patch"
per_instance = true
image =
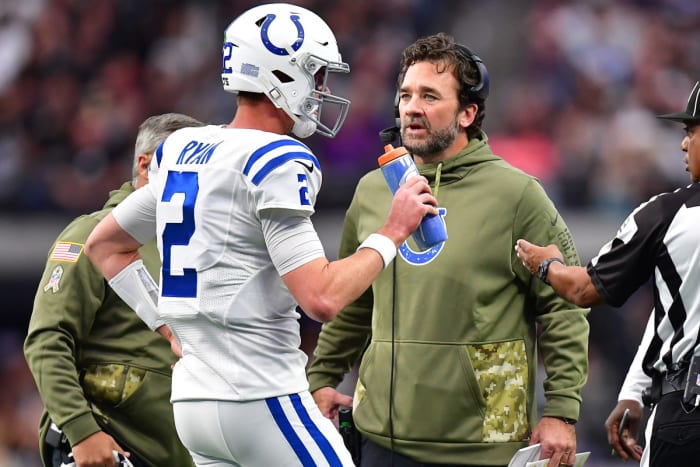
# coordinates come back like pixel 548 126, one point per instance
pixel 66 251
pixel 501 370
pixel 111 384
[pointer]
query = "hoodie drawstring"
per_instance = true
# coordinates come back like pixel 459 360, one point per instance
pixel 438 172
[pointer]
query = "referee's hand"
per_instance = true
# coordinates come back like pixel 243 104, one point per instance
pixel 624 442
pixel 532 255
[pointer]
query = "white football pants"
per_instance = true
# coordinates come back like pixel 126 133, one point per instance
pixel 285 431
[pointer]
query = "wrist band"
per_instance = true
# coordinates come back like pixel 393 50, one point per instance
pixel 136 288
pixel 543 269
pixel 382 245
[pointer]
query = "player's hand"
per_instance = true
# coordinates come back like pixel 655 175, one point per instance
pixel 329 401
pixel 165 331
pixel 412 201
pixel 626 446
pixel 96 451
pixel 532 255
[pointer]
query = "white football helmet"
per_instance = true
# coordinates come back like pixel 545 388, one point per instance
pixel 286 52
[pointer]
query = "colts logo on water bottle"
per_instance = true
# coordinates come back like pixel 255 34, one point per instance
pixel 272 47
pixel 409 173
pixel 421 258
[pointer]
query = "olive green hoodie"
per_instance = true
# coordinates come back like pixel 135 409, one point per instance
pixel 461 322
pixel 82 335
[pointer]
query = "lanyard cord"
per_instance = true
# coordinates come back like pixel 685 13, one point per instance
pixel 438 173
pixel 392 372
pixel 394 295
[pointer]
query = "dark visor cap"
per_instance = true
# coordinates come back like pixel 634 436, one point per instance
pixel 692 112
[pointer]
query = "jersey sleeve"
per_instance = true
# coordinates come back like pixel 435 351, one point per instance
pixel 291 240
pixel 137 214
pixel 286 175
pixel 636 380
pixel 627 261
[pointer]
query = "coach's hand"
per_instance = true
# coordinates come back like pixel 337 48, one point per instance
pixel 329 401
pixel 96 451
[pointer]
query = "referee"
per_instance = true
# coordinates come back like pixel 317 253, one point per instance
pixel 659 239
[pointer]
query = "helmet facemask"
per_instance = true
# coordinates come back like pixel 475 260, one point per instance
pixel 310 110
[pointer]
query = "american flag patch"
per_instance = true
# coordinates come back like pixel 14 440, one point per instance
pixel 66 251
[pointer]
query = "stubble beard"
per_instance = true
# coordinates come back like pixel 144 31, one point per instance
pixel 436 142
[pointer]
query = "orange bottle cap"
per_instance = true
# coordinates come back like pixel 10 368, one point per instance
pixel 390 154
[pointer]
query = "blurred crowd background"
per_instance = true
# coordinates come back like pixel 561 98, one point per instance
pixel 575 86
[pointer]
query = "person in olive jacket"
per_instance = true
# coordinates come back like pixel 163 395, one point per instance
pixel 448 337
pixel 104 377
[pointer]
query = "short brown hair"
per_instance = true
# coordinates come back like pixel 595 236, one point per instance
pixel 441 49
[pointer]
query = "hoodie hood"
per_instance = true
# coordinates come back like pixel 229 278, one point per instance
pixel 117 196
pixel 457 167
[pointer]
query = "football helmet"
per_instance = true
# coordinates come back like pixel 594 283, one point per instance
pixel 286 52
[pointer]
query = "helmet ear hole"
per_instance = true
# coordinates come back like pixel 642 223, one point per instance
pixel 282 76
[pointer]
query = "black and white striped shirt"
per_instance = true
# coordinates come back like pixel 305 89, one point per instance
pixel 660 239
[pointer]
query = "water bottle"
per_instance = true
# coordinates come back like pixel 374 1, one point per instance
pixel 397 166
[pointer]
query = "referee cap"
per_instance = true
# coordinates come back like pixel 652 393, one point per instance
pixel 692 112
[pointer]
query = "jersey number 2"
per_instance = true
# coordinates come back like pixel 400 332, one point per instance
pixel 180 233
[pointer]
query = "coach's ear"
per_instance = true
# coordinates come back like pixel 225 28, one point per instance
pixel 467 116
pixel 143 162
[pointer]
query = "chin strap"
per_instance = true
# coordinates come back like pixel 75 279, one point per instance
pixel 303 129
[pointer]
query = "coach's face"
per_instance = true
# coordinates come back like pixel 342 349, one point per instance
pixel 432 121
pixel 691 146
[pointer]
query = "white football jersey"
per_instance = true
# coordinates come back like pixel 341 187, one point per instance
pixel 220 291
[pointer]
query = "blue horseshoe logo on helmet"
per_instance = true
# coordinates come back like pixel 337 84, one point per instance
pixel 272 47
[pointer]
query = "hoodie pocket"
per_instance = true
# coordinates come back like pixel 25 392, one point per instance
pixel 501 370
pixel 434 398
